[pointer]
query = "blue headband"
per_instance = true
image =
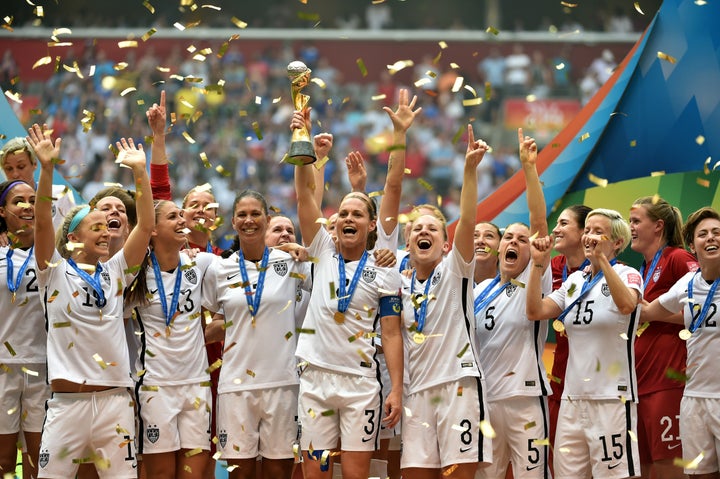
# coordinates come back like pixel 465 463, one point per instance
pixel 12 185
pixel 79 216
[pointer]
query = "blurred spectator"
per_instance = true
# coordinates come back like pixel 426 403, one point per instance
pixel 378 16
pixel 603 66
pixel 540 76
pixel 517 71
pixel 619 21
pixel 8 71
pixel 589 85
pixel 561 71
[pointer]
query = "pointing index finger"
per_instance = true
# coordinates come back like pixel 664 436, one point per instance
pixel 471 137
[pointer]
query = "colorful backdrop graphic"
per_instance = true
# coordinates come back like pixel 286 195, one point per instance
pixel 659 113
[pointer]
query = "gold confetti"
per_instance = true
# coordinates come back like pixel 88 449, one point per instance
pixel 638 9
pixel 128 90
pixel 472 101
pixel 42 61
pixel 706 166
pixel 378 97
pixel 703 182
pixel 584 137
pixel 666 57
pixel 517 283
pixel 569 5
pixel 492 30
pixel 13 96
pixel 399 65
pixel 188 137
pixel 10 349
pixel 463 350
pixel 486 429
pixel 361 66
pixel 642 328
pixel 692 464
pixel 633 143
pixel 100 361
pixel 657 173
pixel 601 182
pixel 529 425
pixel 700 140
pixel 256 129
pixel 128 44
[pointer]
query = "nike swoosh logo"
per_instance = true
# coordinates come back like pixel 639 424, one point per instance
pixel 366 439
pixel 231 276
pixel 673 446
pixel 465 449
pixel 153 291
pixel 613 466
pixel 530 468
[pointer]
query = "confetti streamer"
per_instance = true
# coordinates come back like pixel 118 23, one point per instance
pixel 361 66
pixel 666 57
pixel 601 182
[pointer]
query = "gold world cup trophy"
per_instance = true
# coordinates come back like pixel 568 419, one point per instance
pixel 301 147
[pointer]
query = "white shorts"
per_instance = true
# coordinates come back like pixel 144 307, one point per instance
pixel 334 406
pixel 519 423
pixel 700 432
pixel 386 386
pixel 259 422
pixel 89 427
pixel 441 426
pixel 593 437
pixel 174 418
pixel 22 398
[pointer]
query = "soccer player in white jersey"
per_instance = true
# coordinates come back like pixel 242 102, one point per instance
pixel 172 385
pixel 90 417
pixel 445 402
pixel 696 296
pixel 256 288
pixel 510 347
pixel 23 383
pixel 599 313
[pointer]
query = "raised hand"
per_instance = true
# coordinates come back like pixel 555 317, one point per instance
pixel 357 174
pixel 130 155
pixel 404 116
pixel 157 116
pixel 540 249
pixel 301 118
pixel 528 148
pixel 41 142
pixel 476 149
pixel 322 144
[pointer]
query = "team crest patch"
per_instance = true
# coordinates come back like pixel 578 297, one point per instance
pixel 436 278
pixel 605 290
pixel 153 434
pixel 191 275
pixel 44 458
pixel 510 290
pixel 368 275
pixel 222 437
pixel 105 276
pixel 656 275
pixel 281 269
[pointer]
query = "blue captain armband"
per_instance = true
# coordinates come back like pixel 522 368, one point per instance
pixel 390 306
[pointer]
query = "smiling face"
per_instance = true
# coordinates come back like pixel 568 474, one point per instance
pixel 568 233
pixel 353 223
pixel 250 221
pixel 644 230
pixel 514 250
pixel 92 232
pixel 170 230
pixel 117 219
pixel 19 166
pixel 427 243
pixel 706 241
pixel 19 210
pixel 596 226
pixel 197 212
pixel 486 241
pixel 280 231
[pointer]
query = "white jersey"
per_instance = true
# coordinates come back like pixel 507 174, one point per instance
pixel 703 347
pixel 173 354
pixel 443 351
pixel 23 326
pixel 509 346
pixel 63 202
pixel 601 357
pixel 345 347
pixel 387 241
pixel 86 339
pixel 258 354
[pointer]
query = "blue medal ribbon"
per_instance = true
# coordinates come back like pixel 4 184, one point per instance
pixel 345 297
pixel 253 301
pixel 565 268
pixel 93 281
pixel 404 263
pixel 161 289
pixel 653 264
pixel 421 312
pixel 13 285
pixel 587 286
pixel 208 247
pixel 696 322
pixel 482 300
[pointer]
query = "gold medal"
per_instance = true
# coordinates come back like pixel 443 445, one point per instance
pixel 558 326
pixel 13 298
pixel 685 334
pixel 419 338
pixel 339 317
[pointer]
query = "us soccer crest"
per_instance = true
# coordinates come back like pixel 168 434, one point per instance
pixel 510 290
pixel 436 278
pixel 44 458
pixel 368 275
pixel 191 275
pixel 222 437
pixel 281 269
pixel 105 276
pixel 153 434
pixel 656 275
pixel 605 290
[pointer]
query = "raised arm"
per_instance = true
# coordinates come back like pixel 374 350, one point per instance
pixel 134 158
pixel 656 312
pixel 468 198
pixel 537 307
pixel 535 196
pixel 159 174
pixel 402 119
pixel 308 207
pixel 322 144
pixel 602 248
pixel 46 151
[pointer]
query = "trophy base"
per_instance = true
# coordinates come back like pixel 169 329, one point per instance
pixel 301 153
